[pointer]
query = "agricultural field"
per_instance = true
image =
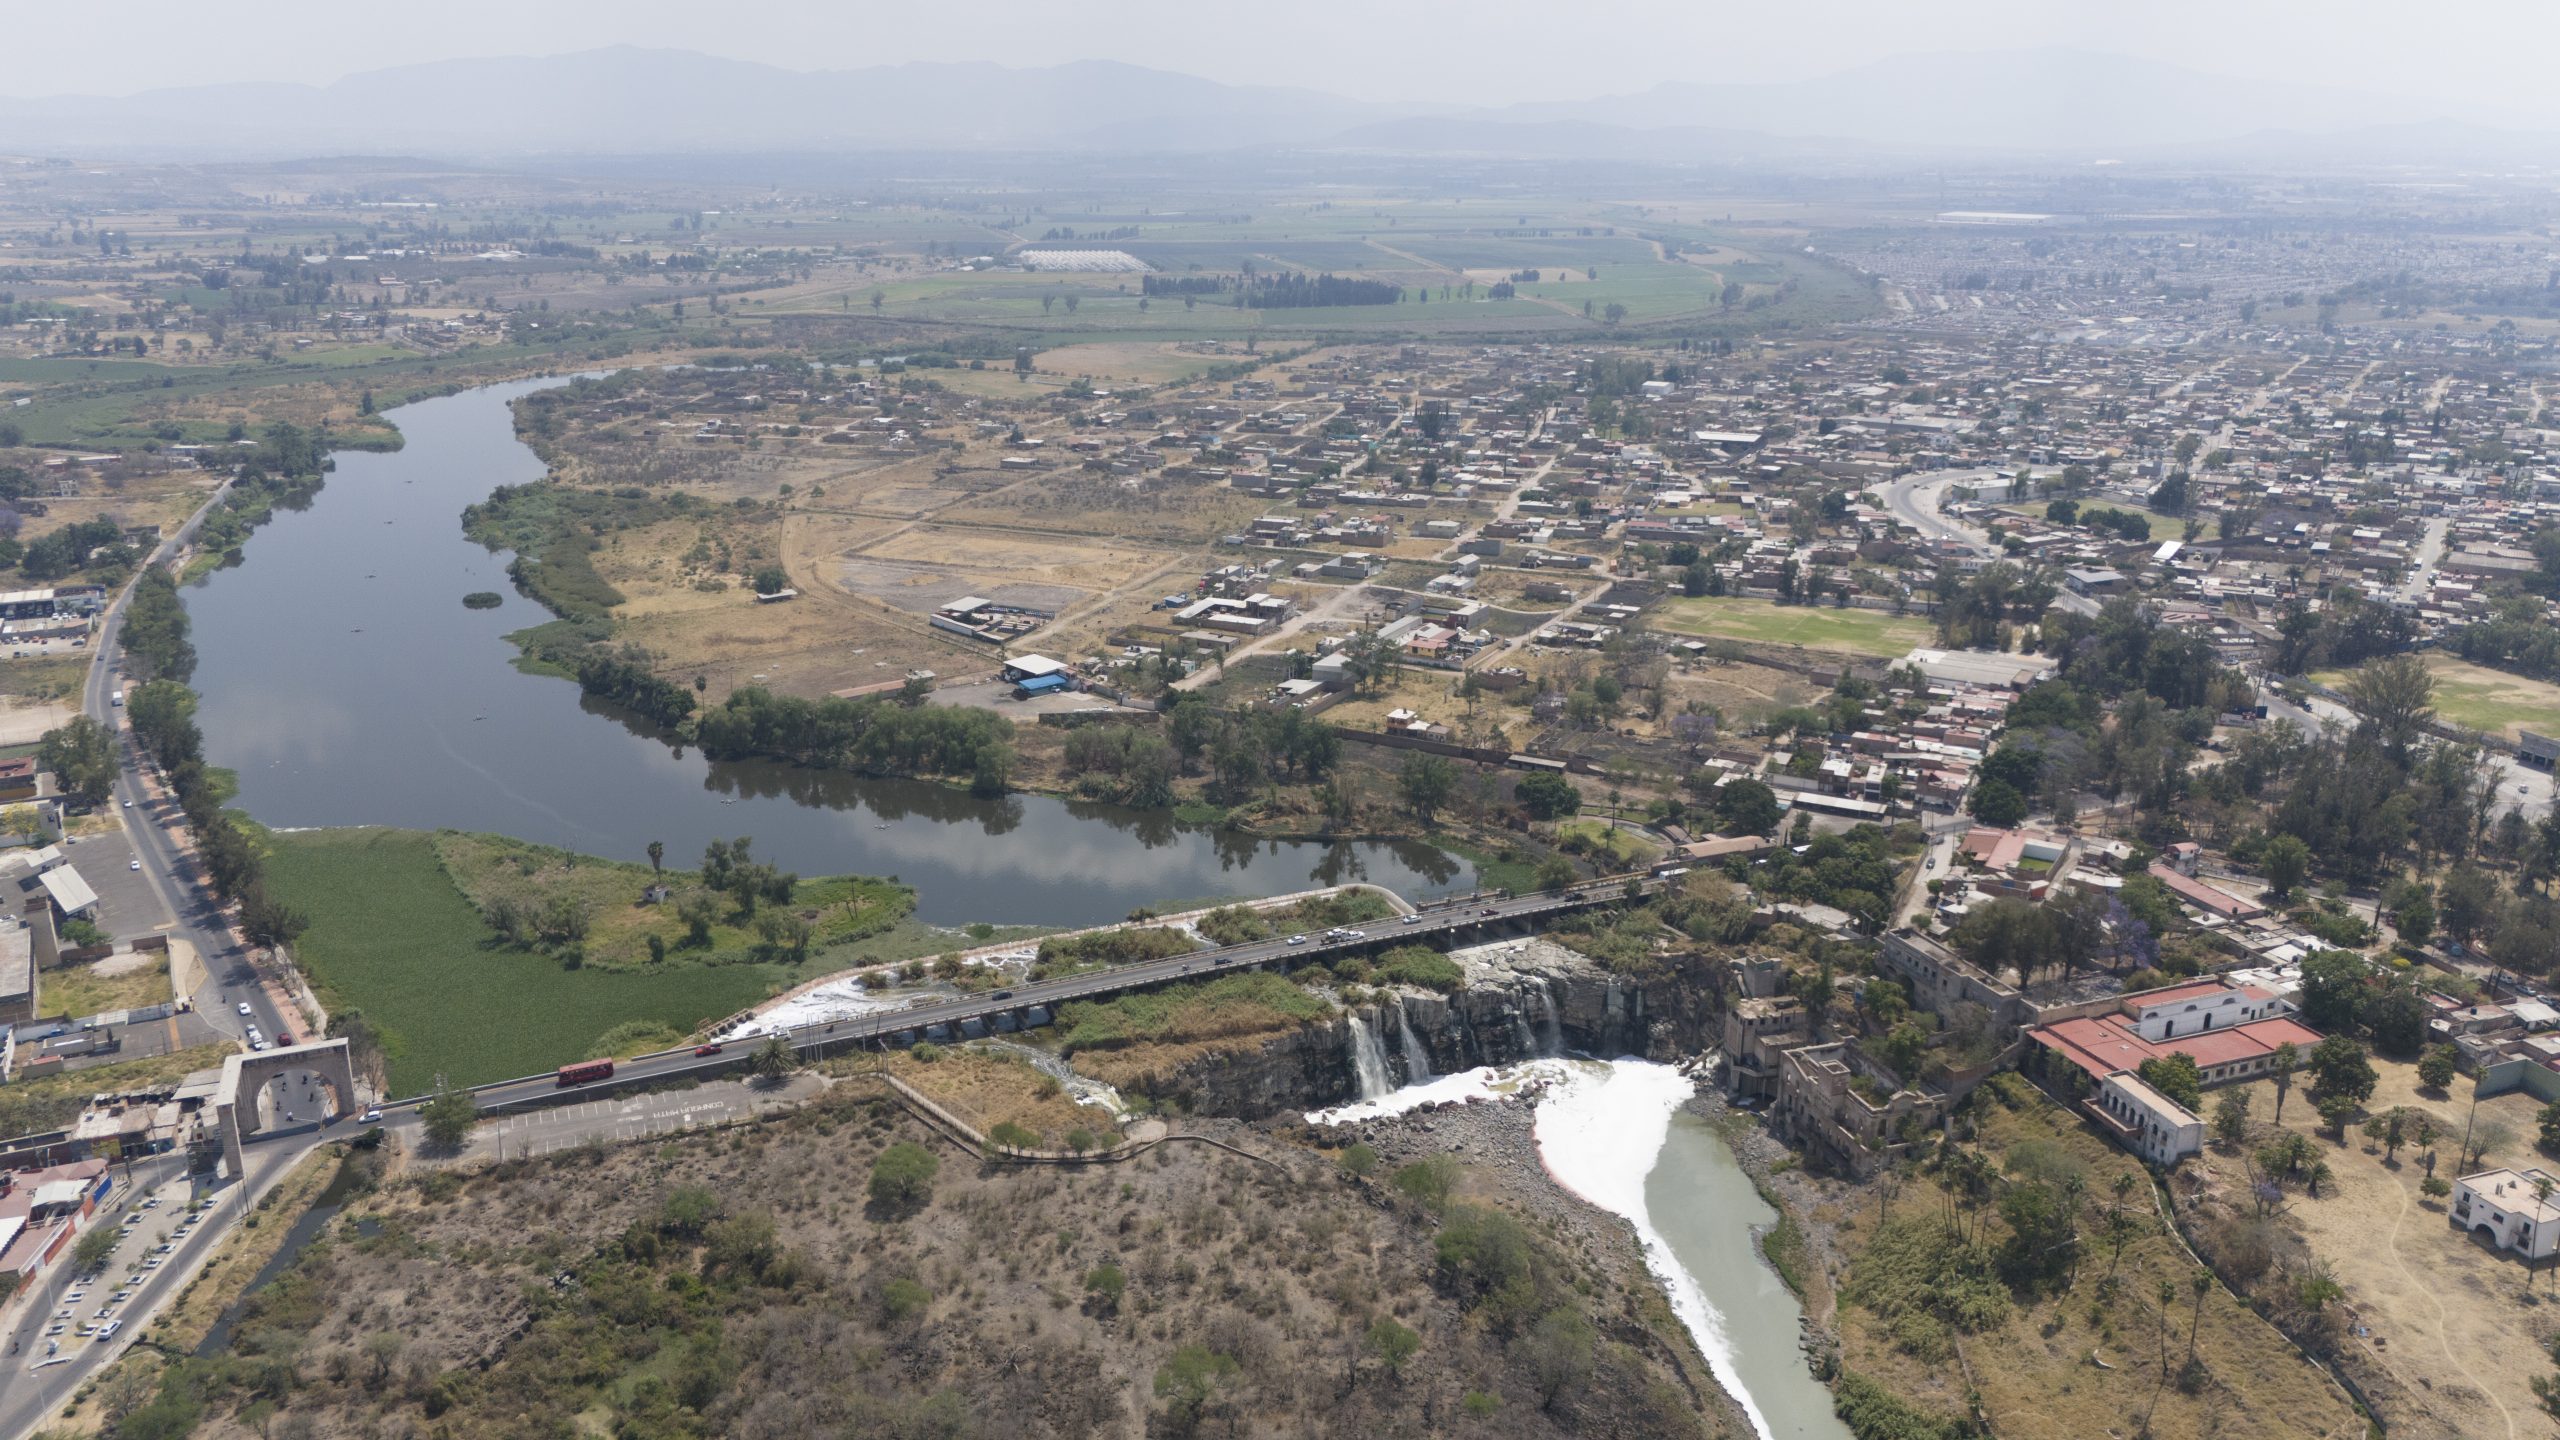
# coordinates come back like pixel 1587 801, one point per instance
pixel 1864 632
pixel 1416 248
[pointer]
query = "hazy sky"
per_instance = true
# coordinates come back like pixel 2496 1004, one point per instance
pixel 1430 50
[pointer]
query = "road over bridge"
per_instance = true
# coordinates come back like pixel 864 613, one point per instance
pixel 1446 921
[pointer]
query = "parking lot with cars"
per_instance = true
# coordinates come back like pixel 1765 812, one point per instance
pixel 156 1228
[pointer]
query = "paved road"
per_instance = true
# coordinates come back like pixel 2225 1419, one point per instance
pixel 1913 501
pixel 944 1016
pixel 189 906
pixel 33 1390
pixel 2430 554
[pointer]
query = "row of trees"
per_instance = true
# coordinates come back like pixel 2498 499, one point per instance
pixel 163 716
pixel 624 678
pixel 1289 290
pixel 868 736
pixel 155 630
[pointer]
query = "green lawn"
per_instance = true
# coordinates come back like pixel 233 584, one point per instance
pixel 1866 632
pixel 1602 841
pixel 390 935
pixel 2479 698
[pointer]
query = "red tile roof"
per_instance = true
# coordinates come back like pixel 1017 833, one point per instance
pixel 2105 1044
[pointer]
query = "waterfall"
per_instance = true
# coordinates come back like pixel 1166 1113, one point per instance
pixel 1417 1061
pixel 1550 1029
pixel 1368 1060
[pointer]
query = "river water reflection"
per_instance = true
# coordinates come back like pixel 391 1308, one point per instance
pixel 346 684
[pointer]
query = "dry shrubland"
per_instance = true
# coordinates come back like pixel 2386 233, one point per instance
pixel 764 1282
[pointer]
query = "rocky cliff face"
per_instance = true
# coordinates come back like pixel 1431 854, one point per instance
pixel 1523 999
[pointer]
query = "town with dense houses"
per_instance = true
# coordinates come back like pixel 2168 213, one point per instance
pixel 1273 792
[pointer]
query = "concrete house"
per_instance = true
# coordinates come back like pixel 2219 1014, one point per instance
pixel 2507 1209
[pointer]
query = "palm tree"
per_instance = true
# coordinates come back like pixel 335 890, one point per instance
pixel 2167 1293
pixel 2281 1066
pixel 2203 1286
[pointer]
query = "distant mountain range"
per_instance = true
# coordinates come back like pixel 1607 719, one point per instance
pixel 626 100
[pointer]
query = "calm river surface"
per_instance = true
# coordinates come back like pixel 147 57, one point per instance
pixel 1705 1209
pixel 345 682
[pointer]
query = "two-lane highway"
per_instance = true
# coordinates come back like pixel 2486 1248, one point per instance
pixel 193 911
pixel 947 1015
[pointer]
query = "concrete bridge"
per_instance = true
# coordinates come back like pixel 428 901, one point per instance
pixel 1022 1007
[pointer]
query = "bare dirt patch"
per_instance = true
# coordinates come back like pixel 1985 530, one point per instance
pixel 921 586
pixel 2444 1315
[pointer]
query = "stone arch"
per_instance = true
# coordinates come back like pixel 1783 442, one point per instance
pixel 243 1075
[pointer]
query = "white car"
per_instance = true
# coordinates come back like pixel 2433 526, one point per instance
pixel 1412 920
pixel 133 864
pixel 372 1114
pixel 1297 939
pixel 255 1038
pixel 244 1008
pixel 108 1330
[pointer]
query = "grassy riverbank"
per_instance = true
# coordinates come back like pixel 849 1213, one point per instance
pixel 396 934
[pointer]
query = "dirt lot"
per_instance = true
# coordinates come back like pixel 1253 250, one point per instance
pixel 2445 1313
pixel 1433 695
pixel 1086 502
pixel 823 641
pixel 911 568
pixel 1741 690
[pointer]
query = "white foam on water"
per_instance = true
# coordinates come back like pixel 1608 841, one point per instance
pixel 1599 1134
pixel 836 1000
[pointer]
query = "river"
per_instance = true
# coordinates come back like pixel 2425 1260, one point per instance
pixel 1614 1133
pixel 346 684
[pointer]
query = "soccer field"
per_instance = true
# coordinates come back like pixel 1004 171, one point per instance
pixel 1864 632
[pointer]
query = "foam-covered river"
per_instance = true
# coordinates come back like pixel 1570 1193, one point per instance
pixel 1614 1133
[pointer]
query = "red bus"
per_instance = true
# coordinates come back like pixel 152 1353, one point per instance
pixel 584 1071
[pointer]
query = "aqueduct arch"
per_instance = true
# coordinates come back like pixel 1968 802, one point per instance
pixel 243 1075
